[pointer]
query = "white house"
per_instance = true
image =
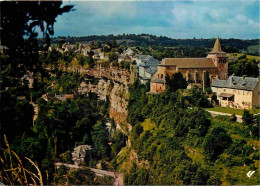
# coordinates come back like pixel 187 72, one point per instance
pixel 237 92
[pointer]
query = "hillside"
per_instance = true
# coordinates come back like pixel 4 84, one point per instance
pixel 175 142
pixel 245 46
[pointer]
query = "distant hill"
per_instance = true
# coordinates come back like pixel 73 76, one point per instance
pixel 245 46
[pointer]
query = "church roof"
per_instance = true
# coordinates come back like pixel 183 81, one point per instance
pixel 162 81
pixel 188 62
pixel 236 82
pixel 217 47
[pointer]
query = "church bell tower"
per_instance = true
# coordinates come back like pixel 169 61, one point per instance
pixel 220 59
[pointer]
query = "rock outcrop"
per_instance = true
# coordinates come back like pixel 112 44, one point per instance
pixel 110 84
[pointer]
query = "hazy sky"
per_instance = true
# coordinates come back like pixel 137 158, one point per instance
pixel 175 19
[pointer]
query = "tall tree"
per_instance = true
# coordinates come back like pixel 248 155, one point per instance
pixel 20 21
pixel 176 82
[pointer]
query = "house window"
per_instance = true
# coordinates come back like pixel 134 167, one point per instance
pixel 161 76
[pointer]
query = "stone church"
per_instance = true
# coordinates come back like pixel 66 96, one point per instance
pixel 193 69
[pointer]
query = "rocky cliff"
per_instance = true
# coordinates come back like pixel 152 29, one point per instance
pixel 110 84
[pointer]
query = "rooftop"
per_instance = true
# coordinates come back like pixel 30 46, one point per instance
pixel 147 61
pixel 151 70
pixel 158 81
pixel 236 82
pixel 188 62
pixel 217 47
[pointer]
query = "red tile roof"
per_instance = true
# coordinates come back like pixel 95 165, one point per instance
pixel 188 62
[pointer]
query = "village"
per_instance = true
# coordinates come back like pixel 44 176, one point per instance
pixel 231 91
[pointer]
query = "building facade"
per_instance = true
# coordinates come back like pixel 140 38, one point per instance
pixel 147 67
pixel 237 92
pixel 193 69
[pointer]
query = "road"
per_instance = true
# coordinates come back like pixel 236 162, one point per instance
pixel 214 114
pixel 118 176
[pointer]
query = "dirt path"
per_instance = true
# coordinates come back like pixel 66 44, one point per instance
pixel 214 114
pixel 118 176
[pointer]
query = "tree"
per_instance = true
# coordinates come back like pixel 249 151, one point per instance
pixel 112 56
pixel 90 60
pixel 215 142
pixel 243 66
pixel 176 82
pixel 100 141
pixel 119 141
pixel 247 118
pixel 114 43
pixel 20 36
pixel 233 118
pixel 20 21
pixel 138 129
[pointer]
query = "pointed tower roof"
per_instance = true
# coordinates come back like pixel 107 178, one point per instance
pixel 217 47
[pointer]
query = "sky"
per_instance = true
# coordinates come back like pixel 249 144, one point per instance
pixel 175 19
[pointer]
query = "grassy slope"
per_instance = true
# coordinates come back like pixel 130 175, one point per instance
pixel 237 55
pixel 235 173
pixel 229 175
pixel 232 110
pixel 235 130
pixel 253 49
pixel 148 125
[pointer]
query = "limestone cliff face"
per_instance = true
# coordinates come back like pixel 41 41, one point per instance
pixel 110 84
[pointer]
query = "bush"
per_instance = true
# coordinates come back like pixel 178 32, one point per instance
pixel 127 65
pixel 138 129
pixel 213 180
pixel 233 118
pixel 215 142
pixel 247 118
pixel 231 161
pixel 119 141
pixel 62 170
pixel 208 90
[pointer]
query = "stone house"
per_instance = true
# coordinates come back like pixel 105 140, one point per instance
pixel 147 73
pixel 80 152
pixel 147 67
pixel 193 69
pixel 129 52
pixel 237 92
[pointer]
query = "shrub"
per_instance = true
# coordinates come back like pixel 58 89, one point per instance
pixel 247 118
pixel 138 129
pixel 233 118
pixel 215 142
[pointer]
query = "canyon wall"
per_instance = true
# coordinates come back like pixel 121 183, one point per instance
pixel 110 84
